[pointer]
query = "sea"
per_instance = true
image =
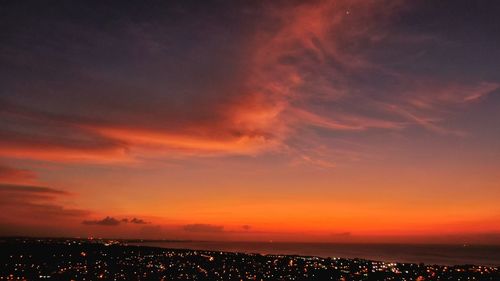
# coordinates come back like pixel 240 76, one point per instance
pixel 406 253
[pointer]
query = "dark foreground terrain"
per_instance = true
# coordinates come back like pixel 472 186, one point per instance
pixel 79 259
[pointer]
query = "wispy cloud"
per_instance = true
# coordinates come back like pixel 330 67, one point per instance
pixel 305 64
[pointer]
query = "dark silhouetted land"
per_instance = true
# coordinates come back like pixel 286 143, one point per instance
pixel 82 259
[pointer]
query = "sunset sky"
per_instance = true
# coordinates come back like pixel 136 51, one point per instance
pixel 331 121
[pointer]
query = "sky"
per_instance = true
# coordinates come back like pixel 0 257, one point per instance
pixel 324 121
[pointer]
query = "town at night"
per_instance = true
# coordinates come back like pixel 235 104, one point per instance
pixel 102 259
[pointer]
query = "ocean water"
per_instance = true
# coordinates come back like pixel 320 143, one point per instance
pixel 409 253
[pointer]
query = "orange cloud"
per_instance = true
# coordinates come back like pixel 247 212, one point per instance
pixel 301 67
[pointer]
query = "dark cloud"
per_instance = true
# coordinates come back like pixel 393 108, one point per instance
pixel 138 221
pixel 26 132
pixel 111 221
pixel 30 197
pixel 134 220
pixel 107 221
pixel 35 203
pixel 203 228
pixel 31 189
pixel 246 227
pixel 48 211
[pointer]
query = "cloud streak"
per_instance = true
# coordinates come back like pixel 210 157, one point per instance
pixel 31 189
pixel 25 203
pixel 10 174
